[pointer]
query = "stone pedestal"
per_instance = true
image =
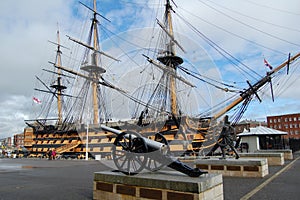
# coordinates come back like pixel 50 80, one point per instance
pixel 287 153
pixel 235 167
pixel 274 159
pixel 163 185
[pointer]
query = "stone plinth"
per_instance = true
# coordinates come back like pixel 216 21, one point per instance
pixel 274 159
pixel 235 167
pixel 163 185
pixel 287 153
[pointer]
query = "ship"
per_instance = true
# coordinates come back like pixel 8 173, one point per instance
pixel 78 129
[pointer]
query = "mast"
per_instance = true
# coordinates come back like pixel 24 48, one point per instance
pixel 94 74
pixel 169 57
pixel 94 69
pixel 58 86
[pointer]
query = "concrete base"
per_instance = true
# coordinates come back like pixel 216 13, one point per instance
pixel 287 153
pixel 235 167
pixel 164 185
pixel 274 159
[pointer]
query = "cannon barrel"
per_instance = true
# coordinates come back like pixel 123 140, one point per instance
pixel 151 144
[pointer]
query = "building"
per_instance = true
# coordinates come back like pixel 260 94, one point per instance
pixel 19 140
pixel 262 137
pixel 247 124
pixel 6 142
pixel 289 123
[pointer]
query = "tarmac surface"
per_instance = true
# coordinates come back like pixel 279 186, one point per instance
pixel 22 179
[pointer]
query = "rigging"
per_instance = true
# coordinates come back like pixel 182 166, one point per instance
pixel 250 26
pixel 234 34
pixel 220 50
pixel 254 18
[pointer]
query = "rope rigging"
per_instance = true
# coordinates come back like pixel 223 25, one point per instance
pixel 160 92
pixel 284 83
pixel 254 18
pixel 224 53
pixel 197 76
pixel 273 8
pixel 234 34
pixel 220 50
pixel 250 26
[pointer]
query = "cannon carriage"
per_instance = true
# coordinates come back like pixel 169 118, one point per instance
pixel 133 153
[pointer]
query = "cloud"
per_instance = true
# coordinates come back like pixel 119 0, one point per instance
pixel 14 110
pixel 26 26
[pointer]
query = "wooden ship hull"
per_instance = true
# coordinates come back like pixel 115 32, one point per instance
pixel 73 143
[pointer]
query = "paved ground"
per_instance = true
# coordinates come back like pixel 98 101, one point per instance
pixel 281 183
pixel 43 179
pixel 72 179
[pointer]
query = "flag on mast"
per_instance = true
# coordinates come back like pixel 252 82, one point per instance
pixel 267 64
pixel 36 100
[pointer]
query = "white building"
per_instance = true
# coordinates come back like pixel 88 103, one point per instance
pixel 262 137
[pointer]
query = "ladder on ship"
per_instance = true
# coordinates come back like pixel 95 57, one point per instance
pixel 67 147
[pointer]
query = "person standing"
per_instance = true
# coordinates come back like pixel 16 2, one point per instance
pixel 50 154
pixel 53 154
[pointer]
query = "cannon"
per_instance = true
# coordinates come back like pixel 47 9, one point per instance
pixel 133 153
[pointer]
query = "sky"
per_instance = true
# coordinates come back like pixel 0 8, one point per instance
pixel 249 30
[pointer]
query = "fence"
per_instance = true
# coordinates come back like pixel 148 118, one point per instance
pixel 294 144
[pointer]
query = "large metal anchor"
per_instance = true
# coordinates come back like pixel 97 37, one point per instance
pixel 133 153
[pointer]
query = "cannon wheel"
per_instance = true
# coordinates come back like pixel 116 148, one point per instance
pixel 155 161
pixel 128 153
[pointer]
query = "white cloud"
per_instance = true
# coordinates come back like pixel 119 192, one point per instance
pixel 25 28
pixel 14 110
pixel 27 25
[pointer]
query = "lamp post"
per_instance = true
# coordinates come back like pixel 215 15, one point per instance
pixel 87 141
